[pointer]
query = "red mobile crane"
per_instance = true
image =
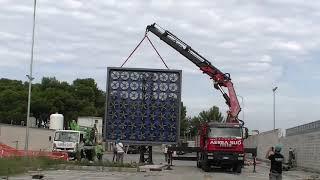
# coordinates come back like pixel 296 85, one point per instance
pixel 219 144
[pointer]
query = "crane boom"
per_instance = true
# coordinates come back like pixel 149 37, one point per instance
pixel 220 79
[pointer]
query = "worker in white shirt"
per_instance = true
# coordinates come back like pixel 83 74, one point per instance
pixel 120 151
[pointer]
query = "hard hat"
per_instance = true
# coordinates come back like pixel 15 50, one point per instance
pixel 278 148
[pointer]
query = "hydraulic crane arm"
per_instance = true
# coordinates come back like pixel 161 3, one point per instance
pixel 220 79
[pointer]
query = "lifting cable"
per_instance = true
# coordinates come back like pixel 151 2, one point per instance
pixel 144 37
pixel 134 50
pixel 157 52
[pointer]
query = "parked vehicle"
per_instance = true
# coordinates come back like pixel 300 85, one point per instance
pixel 66 141
pixel 133 149
pixel 220 144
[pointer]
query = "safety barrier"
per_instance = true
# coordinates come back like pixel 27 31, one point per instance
pixel 7 151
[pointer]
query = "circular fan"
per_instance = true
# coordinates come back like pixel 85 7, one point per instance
pixel 125 75
pixel 124 94
pixel 124 85
pixel 115 75
pixel 133 95
pixel 154 95
pixel 163 77
pixel 155 76
pixel 173 87
pixel 154 87
pixel 114 93
pixel 144 96
pixel 173 96
pixel 163 87
pixel 134 85
pixel 144 76
pixel 162 96
pixel 173 77
pixel 134 76
pixel 114 84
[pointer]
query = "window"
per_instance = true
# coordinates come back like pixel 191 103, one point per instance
pixel 225 132
pixel 66 136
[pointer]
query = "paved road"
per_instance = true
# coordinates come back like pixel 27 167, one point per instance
pixel 179 173
pixel 183 170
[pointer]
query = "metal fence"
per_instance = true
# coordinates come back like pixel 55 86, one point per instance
pixel 305 128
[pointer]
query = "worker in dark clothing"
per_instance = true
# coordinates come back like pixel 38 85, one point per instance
pixel 276 159
pixel 292 158
pixel 114 149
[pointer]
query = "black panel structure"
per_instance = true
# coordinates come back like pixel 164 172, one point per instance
pixel 143 106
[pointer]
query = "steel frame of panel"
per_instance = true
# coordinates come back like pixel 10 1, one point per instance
pixel 141 70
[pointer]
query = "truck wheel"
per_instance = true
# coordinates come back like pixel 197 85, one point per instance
pixel 237 168
pixel 198 164
pixel 205 167
pixel 198 161
pixel 205 164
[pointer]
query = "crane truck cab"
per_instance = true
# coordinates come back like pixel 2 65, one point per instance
pixel 221 145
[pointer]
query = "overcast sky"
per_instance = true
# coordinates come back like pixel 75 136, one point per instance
pixel 262 44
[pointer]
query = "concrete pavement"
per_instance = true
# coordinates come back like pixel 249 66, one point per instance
pixel 183 170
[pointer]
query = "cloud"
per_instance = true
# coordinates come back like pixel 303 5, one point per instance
pixel 13 58
pixel 74 4
pixel 228 45
pixel 7 35
pixel 256 42
pixel 83 15
pixel 266 59
pixel 21 9
pixel 49 11
pixel 290 46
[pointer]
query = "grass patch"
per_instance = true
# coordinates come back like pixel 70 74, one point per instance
pixel 18 165
pixel 105 164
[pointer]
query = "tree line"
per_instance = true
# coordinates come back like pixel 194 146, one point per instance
pixel 189 125
pixel 80 98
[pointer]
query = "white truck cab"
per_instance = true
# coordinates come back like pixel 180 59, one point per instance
pixel 67 141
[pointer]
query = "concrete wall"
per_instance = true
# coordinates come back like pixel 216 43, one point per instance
pixel 14 136
pixel 306 146
pixel 263 142
pixel 307 149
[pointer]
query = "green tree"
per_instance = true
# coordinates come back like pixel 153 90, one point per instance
pixel 82 97
pixel 13 101
pixel 49 82
pixel 211 115
pixel 183 120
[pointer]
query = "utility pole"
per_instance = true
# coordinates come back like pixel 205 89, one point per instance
pixel 274 107
pixel 26 147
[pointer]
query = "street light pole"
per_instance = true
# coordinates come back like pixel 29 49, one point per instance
pixel 274 107
pixel 26 147
pixel 242 109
